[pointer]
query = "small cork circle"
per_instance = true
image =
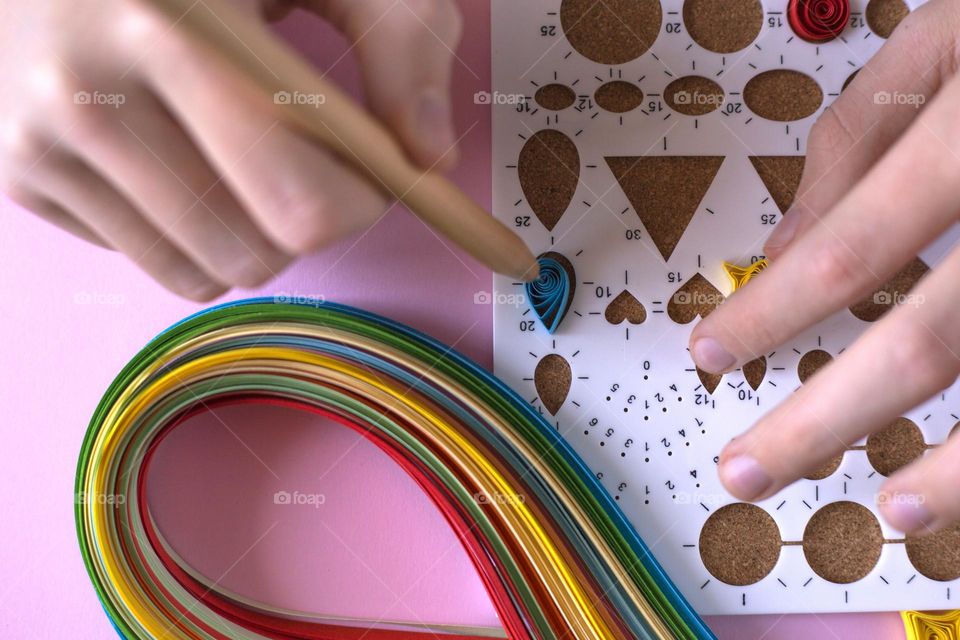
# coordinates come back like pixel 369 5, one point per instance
pixel 723 26
pixel 694 95
pixel 826 470
pixel 618 96
pixel 739 544
pixel 811 362
pixel 555 97
pixel 883 16
pixel 937 555
pixel 895 447
pixel 842 542
pixel 611 31
pixel 783 95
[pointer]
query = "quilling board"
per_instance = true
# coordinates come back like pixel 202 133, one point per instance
pixel 647 166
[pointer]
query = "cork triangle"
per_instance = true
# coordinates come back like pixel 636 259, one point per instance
pixel 665 191
pixel 781 176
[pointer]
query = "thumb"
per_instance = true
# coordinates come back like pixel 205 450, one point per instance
pixel 406 52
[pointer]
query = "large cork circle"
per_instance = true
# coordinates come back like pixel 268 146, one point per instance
pixel 618 96
pixel 783 95
pixel 553 378
pixel 740 544
pixel 826 470
pixel 811 362
pixel 723 26
pixel 549 169
pixel 611 31
pixel 555 97
pixel 936 555
pixel 842 542
pixel 694 95
pixel 895 447
pixel 883 16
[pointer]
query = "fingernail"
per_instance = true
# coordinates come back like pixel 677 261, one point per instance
pixel 744 477
pixel 710 356
pixel 784 231
pixel 435 124
pixel 906 512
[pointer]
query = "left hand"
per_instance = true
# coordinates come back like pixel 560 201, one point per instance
pixel 882 181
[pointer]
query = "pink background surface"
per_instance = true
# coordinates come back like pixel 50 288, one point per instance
pixel 72 315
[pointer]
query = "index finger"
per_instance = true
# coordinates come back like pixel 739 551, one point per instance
pixel 904 202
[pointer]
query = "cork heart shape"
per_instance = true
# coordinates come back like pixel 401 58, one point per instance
pixel 625 307
pixel 696 297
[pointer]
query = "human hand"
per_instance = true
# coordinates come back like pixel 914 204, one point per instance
pixel 882 181
pixel 122 128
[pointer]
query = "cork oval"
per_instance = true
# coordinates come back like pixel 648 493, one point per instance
pixel 783 95
pixel 555 97
pixel 618 96
pixel 694 95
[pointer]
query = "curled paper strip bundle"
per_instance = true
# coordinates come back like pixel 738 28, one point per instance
pixel 555 553
pixel 550 294
pixel 818 20
pixel 921 625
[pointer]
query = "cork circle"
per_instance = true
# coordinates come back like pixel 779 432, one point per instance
pixel 739 544
pixel 618 96
pixel 895 447
pixel 937 555
pixel 694 95
pixel 612 31
pixel 811 362
pixel 723 26
pixel 555 97
pixel 826 470
pixel 783 95
pixel 842 542
pixel 883 16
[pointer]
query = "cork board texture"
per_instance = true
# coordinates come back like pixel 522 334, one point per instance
pixel 649 143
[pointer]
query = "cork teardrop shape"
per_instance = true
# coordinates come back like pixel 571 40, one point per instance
pixel 781 176
pixel 549 169
pixel 811 362
pixel 754 372
pixel 842 542
pixel 625 307
pixel 694 95
pixel 552 379
pixel 618 96
pixel 710 381
pixel 555 97
pixel 783 95
pixel 612 31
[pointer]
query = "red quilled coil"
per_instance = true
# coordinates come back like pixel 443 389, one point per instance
pixel 818 20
